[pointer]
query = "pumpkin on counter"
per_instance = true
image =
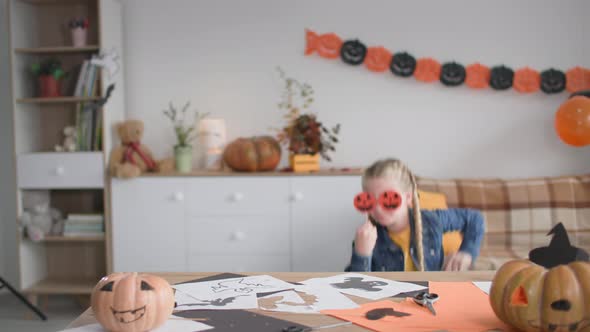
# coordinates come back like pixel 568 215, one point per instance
pixel 256 154
pixel 550 292
pixel 131 302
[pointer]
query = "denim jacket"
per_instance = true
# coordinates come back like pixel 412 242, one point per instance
pixel 387 256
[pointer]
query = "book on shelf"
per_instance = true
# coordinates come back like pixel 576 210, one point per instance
pixel 88 122
pixel 85 217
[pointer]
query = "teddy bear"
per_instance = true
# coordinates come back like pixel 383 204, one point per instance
pixel 69 143
pixel 132 158
pixel 41 220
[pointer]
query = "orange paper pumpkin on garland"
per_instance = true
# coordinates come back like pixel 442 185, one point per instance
pixel 549 292
pixel 526 80
pixel 427 70
pixel 378 59
pixel 327 45
pixel 478 76
pixel 131 302
pixel 572 121
pixel 577 79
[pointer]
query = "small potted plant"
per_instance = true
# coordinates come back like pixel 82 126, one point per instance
pixel 49 74
pixel 183 150
pixel 306 137
pixel 79 30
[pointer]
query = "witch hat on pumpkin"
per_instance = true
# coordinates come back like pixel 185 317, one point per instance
pixel 559 251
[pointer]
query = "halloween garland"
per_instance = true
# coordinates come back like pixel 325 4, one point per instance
pixel 451 74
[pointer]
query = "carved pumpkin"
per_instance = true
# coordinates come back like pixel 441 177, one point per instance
pixel 131 302
pixel 254 154
pixel 549 292
pixel 364 202
pixel 390 200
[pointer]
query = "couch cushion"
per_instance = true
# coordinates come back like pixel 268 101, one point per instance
pixel 431 200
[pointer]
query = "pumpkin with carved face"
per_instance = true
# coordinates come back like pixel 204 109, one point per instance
pixel 390 200
pixel 131 302
pixel 364 202
pixel 550 292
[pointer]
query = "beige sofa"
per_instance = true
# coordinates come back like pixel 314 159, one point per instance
pixel 519 212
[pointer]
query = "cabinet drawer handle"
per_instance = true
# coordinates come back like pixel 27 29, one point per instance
pixel 238 236
pixel 60 170
pixel 236 197
pixel 178 196
pixel 298 196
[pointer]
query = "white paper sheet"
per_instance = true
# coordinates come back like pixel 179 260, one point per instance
pixel 225 288
pixel 188 302
pixel 365 286
pixel 306 299
pixel 484 285
pixel 173 324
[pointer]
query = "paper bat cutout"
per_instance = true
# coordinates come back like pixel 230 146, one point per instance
pixel 559 251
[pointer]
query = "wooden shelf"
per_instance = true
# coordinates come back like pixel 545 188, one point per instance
pixel 57 50
pixel 94 238
pixel 55 100
pixel 58 286
pixel 56 2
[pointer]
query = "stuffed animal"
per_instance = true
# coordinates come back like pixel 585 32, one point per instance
pixel 133 158
pixel 69 143
pixel 41 220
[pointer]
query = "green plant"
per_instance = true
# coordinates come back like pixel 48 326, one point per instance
pixel 183 131
pixel 48 67
pixel 304 134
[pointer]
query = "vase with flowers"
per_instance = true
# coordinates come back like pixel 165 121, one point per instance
pixel 49 74
pixel 305 136
pixel 183 149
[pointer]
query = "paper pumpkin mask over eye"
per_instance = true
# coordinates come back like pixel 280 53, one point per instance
pixel 364 202
pixel 548 292
pixel 390 200
pixel 131 302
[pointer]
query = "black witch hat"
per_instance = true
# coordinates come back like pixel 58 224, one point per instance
pixel 559 251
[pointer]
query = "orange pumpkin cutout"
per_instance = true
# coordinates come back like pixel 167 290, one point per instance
pixel 378 59
pixel 526 80
pixel 327 45
pixel 577 79
pixel 131 302
pixel 572 121
pixel 478 76
pixel 364 202
pixel 427 70
pixel 390 200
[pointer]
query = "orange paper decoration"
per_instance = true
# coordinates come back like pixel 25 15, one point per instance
pixel 577 79
pixel 327 45
pixel 572 121
pixel 478 76
pixel 526 80
pixel 427 70
pixel 377 59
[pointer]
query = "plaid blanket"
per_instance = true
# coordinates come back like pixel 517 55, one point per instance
pixel 519 212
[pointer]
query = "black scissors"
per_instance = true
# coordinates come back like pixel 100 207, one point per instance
pixel 426 300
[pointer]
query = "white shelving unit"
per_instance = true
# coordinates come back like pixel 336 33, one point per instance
pixel 76 181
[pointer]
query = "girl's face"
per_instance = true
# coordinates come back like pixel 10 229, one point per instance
pixel 397 219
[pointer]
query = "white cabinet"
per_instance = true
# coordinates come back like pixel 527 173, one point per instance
pixel 148 225
pixel 323 222
pixel 234 223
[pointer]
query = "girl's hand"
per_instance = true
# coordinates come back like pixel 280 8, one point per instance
pixel 459 261
pixel 365 239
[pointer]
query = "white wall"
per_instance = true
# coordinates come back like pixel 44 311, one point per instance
pixel 8 261
pixel 221 55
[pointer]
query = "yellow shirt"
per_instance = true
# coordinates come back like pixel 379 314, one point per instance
pixel 451 243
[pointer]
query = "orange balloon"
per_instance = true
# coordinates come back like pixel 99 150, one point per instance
pixel 572 121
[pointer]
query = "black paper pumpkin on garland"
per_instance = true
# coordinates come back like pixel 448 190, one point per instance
pixel 552 81
pixel 353 52
pixel 501 78
pixel 452 74
pixel 403 64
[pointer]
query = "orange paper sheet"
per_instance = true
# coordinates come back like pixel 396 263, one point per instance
pixel 461 307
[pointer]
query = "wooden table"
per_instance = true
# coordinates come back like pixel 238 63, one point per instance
pixel 315 319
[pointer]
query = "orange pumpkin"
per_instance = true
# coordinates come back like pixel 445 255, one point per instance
pixel 131 302
pixel 254 154
pixel 550 292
